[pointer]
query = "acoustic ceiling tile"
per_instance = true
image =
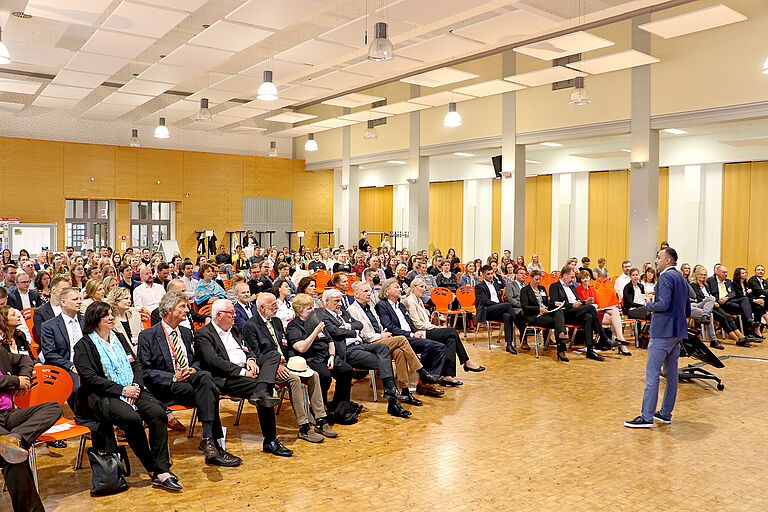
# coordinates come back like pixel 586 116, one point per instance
pixel 314 51
pixel 269 105
pixel 247 129
pixel 118 44
pixel 143 20
pixel 184 105
pixel 239 112
pixel 214 96
pixel 426 12
pixel 114 109
pixel 182 5
pixel 227 35
pixel 19 86
pixel 137 86
pixel 353 100
pixel 489 88
pixel 199 57
pixel 695 21
pixel 94 63
pixel 10 107
pixel 239 83
pixel 384 68
pixel 303 92
pixel 563 46
pixel 364 115
pixel 400 107
pixel 440 98
pixel 278 15
pixel 48 102
pixel 506 27
pixel 438 48
pixel 353 32
pixel 66 92
pixel 42 56
pixel 334 122
pixel 122 98
pixel 338 80
pixel 439 77
pixel 168 74
pixel 614 62
pixel 79 79
pixel 290 117
pixel 298 131
pixel 544 76
pixel 280 69
pixel 79 12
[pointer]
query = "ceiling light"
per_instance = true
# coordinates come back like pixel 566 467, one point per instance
pixel 311 144
pixel 675 131
pixel 267 90
pixel 551 144
pixel 381 48
pixel 204 114
pixel 370 132
pixel 273 149
pixel 161 132
pixel 532 162
pixel 627 150
pixel 579 96
pixel 765 67
pixel 5 55
pixel 135 142
pixel 459 153
pixel 452 118
pixel 396 162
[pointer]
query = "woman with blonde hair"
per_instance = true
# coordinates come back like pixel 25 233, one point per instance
pixel 94 292
pixel 109 282
pixel 127 319
pixel 535 264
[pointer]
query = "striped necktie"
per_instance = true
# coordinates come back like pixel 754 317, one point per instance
pixel 177 352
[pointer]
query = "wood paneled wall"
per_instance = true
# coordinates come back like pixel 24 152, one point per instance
pixel 47 172
pixel 663 228
pixel 538 219
pixel 376 209
pixel 744 241
pixel 446 216
pixel 609 218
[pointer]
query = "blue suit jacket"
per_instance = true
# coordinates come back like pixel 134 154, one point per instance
pixel 155 355
pixel 389 320
pixel 241 317
pixel 671 306
pixel 54 342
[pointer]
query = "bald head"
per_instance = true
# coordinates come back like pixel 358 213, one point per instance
pixel 176 284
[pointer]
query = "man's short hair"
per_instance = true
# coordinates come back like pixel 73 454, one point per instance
pixel 336 278
pixel 518 269
pixel 585 259
pixel 357 285
pixel 170 300
pixel 58 279
pixel 535 273
pixel 331 293
pixel 90 270
pixel 283 265
pixel 566 270
pixel 485 268
pixel 756 266
pixel 670 252
pixel 63 294
pixel 385 286
pixel 370 271
pixel 162 266
pixel 625 262
pixel 187 262
pixel 9 266
pixel 122 268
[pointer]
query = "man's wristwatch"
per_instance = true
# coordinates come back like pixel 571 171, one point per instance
pixel 174 378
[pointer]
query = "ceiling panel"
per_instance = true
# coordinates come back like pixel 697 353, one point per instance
pixel 19 86
pixel 137 86
pixel 48 102
pixel 247 129
pixel 439 77
pixel 66 92
pixel 239 83
pixel 314 52
pixel 544 76
pixel 334 122
pixel 439 48
pixel 214 96
pixel 10 107
pixel 353 100
pixel 304 92
pixel 280 69
pixel 353 32
pixel 269 105
pixel 80 12
pixel 99 116
pixel 43 56
pixel 400 107
pixel 93 63
pixel 118 44
pixel 489 88
pixel 290 117
pixel 198 57
pixel 695 21
pixel 425 12
pixel 507 27
pixel 168 74
pixel 182 5
pixel 79 79
pixel 614 62
pixel 227 35
pixel 338 80
pixel 240 112
pixel 562 46
pixel 384 68
pixel 364 115
pixel 278 15
pixel 122 98
pixel 298 131
pixel 440 98
pixel 113 109
pixel 143 20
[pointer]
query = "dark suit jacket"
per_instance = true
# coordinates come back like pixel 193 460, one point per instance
pixel 338 333
pixel 42 314
pixel 758 291
pixel 13 366
pixel 529 304
pixel 557 294
pixel 54 342
pixel 259 340
pixel 213 354
pixel 155 355
pixel 22 345
pixel 715 291
pixel 483 298
pixel 389 319
pixel 14 299
pixel 241 317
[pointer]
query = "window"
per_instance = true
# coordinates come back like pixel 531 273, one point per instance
pixel 86 219
pixel 150 223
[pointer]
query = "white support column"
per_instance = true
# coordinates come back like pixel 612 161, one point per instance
pixel 644 175
pixel 349 195
pixel 513 170
pixel 418 185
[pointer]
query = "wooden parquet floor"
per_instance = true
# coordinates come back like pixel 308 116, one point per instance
pixel 526 435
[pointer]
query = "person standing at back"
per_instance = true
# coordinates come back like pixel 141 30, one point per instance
pixel 670 311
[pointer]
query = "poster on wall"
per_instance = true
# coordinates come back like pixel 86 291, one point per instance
pixel 35 238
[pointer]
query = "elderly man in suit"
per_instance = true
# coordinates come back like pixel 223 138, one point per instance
pixel 670 310
pixel 192 318
pixel 721 288
pixel 490 307
pixel 265 337
pixel 22 296
pixel 173 374
pixel 512 295
pixel 245 309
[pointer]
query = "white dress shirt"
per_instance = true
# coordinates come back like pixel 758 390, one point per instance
pixel 234 350
pixel 569 293
pixel 56 310
pixel 401 317
pixel 620 284
pixel 148 297
pixel 25 300
pixel 492 289
pixel 73 330
pixel 190 285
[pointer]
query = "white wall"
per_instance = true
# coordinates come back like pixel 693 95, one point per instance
pixel 478 209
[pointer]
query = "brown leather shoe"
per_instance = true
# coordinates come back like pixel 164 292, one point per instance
pixel 326 430
pixel 175 424
pixel 429 390
pixel 11 450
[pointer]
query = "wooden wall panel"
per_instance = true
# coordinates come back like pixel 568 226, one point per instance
pixel 164 166
pixel 376 209
pixel 609 218
pixel 268 177
pixel 663 205
pixel 85 161
pixel 446 216
pixel 127 173
pixel 757 253
pixel 496 221
pixel 737 205
pixel 538 219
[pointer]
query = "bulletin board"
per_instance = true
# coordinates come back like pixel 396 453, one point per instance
pixel 35 238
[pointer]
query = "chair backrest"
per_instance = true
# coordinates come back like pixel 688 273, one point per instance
pixel 205 310
pixel 49 384
pixel 28 315
pixel 227 284
pixel 606 296
pixel 146 319
pixel 321 278
pixel 441 298
pixel 466 296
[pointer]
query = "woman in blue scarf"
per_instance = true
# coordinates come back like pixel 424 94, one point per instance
pixel 112 392
pixel 208 290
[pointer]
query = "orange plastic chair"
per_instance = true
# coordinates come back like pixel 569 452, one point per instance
pixel 28 315
pixel 52 384
pixel 466 297
pixel 227 284
pixel 321 278
pixel 192 421
pixel 442 298
pixel 146 319
pixel 206 311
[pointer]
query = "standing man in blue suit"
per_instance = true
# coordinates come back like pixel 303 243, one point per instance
pixel 669 325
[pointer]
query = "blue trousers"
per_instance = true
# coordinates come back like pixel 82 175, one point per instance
pixel 662 353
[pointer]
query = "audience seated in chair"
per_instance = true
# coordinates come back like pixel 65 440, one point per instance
pixel 490 307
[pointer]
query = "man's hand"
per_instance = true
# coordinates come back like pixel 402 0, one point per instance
pixel 760 301
pixel 73 370
pixel 283 372
pixel 558 304
pixel 24 382
pixel 385 334
pixel 722 300
pixel 577 304
pixel 418 335
pixel 330 361
pixel 319 328
pixel 252 367
pixel 543 311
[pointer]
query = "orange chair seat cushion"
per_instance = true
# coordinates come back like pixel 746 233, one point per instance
pixel 181 407
pixel 60 433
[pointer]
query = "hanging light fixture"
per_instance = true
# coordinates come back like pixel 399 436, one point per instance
pixel 267 90
pixel 579 96
pixel 5 55
pixel 273 149
pixel 204 114
pixel 452 118
pixel 135 142
pixel 311 144
pixel 381 48
pixel 161 132
pixel 370 132
pixel 765 65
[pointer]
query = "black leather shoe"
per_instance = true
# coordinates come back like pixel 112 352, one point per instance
pixel 743 342
pixel 430 378
pixel 592 355
pixel 263 399
pixel 393 393
pixel 624 351
pixel 562 357
pixel 57 444
pixel 216 456
pixel 716 344
pixel 478 369
pixel 410 399
pixel 609 342
pixel 169 484
pixel 396 410
pixel 275 447
pixel 511 349
pixel 754 339
pixel 452 383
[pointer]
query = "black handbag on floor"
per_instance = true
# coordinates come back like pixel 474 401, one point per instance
pixel 108 471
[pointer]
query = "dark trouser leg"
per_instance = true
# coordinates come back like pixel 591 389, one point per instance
pixel 268 364
pixel 555 320
pixel 502 313
pixel 21 487
pixel 31 422
pixel 153 414
pixel 432 354
pixel 244 387
pixel 448 337
pixel 342 373
pixel 580 316
pixel 739 307
pixel 267 422
pixel 724 319
pixel 325 377
pixel 123 415
pixel 199 390
pixel 757 312
pixel 372 357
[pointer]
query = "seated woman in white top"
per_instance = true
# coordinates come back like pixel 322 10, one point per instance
pixel 649 280
pixel 282 290
pixel 535 264
pixel 634 298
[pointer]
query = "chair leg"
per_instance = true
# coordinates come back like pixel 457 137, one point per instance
pixel 80 453
pixel 191 430
pixel 488 327
pixel 280 404
pixel 464 322
pixel 372 375
pixel 239 411
pixel 33 463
